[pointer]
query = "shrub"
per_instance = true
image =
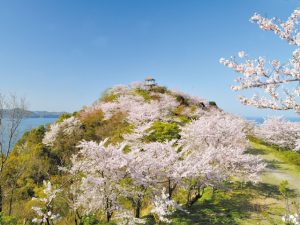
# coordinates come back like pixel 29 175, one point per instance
pixel 162 131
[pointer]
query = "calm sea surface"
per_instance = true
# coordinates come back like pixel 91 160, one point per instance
pixel 26 125
pixel 261 119
pixel 30 123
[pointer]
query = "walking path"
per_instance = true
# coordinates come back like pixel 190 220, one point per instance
pixel 278 170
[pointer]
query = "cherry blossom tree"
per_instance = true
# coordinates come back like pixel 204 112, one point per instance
pixel 68 127
pixel 218 129
pixel 280 132
pixel 209 149
pixel 163 207
pixel 44 211
pixel 278 80
pixel 218 144
pixel 102 168
pixel 291 219
pixel 126 218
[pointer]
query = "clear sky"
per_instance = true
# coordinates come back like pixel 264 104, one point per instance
pixel 61 54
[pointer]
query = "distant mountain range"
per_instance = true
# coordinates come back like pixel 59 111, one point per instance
pixel 43 114
pixel 38 114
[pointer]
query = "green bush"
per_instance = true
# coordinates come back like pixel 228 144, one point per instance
pixel 62 117
pixel 92 220
pixel 162 131
pixel 7 220
pixel 144 93
pixel 212 103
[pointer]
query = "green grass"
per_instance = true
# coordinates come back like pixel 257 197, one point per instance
pixel 285 155
pixel 236 204
pixel 249 204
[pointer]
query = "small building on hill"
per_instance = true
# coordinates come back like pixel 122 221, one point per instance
pixel 150 83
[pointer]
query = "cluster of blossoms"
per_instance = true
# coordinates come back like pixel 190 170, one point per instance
pixel 279 81
pixel 44 211
pixel 136 108
pixel 139 111
pixel 219 143
pixel 203 153
pixel 126 218
pixel 67 127
pixel 291 219
pixel 208 148
pixel 280 132
pixel 163 207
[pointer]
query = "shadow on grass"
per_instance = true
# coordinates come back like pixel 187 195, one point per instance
pixel 273 164
pixel 255 151
pixel 228 206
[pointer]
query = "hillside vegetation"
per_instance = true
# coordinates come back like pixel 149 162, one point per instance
pixel 138 155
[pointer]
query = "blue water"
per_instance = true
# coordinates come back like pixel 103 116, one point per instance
pixel 30 123
pixel 261 119
pixel 26 125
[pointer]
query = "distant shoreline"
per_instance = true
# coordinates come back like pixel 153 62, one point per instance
pixel 259 119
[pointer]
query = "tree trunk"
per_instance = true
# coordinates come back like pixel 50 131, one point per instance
pixel 171 188
pixel 138 207
pixel 1 198
pixel 192 201
pixel 108 216
pixel 11 201
pixel 79 218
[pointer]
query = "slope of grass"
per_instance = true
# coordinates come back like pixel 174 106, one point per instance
pixel 248 204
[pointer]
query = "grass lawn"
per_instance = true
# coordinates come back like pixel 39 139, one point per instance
pixel 255 204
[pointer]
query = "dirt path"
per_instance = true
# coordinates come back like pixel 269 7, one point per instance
pixel 278 170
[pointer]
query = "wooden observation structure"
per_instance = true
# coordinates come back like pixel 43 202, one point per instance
pixel 149 83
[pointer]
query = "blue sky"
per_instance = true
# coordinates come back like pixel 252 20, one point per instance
pixel 62 54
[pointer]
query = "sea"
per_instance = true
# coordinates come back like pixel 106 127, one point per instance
pixel 29 123
pixel 260 120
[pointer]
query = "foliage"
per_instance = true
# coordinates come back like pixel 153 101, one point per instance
pixel 7 220
pixel 144 93
pixel 113 158
pixel 163 131
pixel 62 117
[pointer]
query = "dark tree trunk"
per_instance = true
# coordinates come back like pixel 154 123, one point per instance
pixel 108 216
pixel 195 198
pixel 79 218
pixel 171 188
pixel 138 207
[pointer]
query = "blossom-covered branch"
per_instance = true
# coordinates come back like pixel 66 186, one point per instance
pixel 278 80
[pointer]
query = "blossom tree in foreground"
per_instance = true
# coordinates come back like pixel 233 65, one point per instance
pixel 279 80
pixel 102 167
pixel 44 211
pixel 218 147
pixel 163 207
